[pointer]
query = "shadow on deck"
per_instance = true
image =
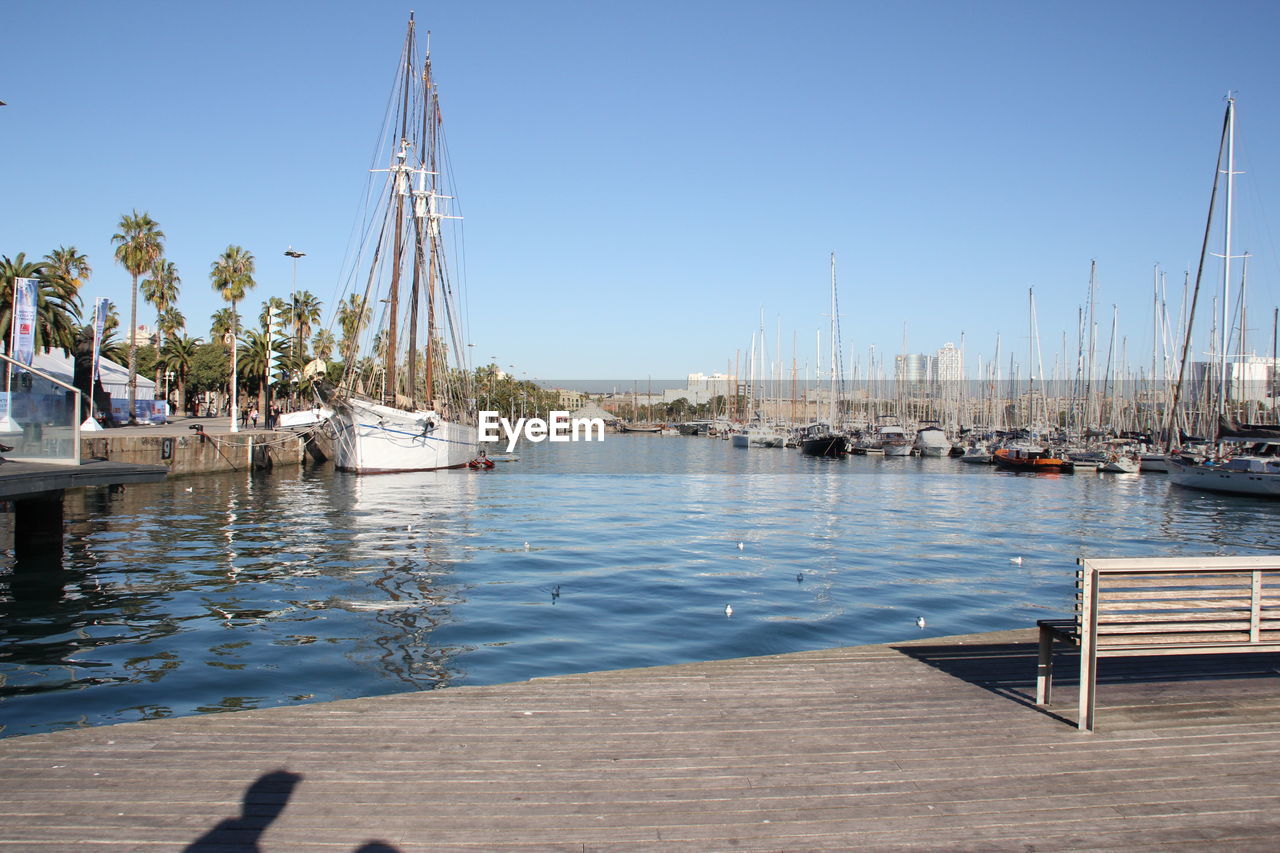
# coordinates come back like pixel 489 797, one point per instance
pixel 1132 692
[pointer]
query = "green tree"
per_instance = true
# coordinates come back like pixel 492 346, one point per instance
pixel 57 303
pixel 220 326
pixel 254 362
pixel 177 356
pixel 353 315
pixel 149 361
pixel 161 291
pixel 323 344
pixel 232 276
pixel 209 367
pixel 67 264
pixel 304 312
pixel 170 323
pixel 139 244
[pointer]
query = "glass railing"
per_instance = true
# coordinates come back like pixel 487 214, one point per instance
pixel 39 416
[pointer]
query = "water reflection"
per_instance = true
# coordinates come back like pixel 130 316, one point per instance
pixel 242 591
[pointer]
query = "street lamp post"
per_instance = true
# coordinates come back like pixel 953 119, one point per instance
pixel 294 254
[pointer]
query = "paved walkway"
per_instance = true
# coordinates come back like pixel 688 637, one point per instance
pixel 929 745
pixel 178 425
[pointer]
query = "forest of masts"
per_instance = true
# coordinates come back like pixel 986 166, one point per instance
pixel 1101 389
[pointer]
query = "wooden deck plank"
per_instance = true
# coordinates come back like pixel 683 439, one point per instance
pixel 933 744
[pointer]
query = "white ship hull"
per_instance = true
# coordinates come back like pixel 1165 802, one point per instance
pixel 932 442
pixel 1216 478
pixel 375 439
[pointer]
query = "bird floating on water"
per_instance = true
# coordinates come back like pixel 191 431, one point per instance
pixel 740 546
pixel 919 621
pixel 799 577
pixel 526 546
pixel 728 610
pixel 1017 561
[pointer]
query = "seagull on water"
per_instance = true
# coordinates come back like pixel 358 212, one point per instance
pixel 740 546
pixel 526 546
pixel 728 610
pixel 1017 561
pixel 919 621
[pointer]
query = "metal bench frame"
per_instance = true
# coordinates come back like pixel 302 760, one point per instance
pixel 1162 606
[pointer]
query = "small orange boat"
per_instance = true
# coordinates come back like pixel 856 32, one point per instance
pixel 1029 458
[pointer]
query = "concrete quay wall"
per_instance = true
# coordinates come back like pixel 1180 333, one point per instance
pixel 194 453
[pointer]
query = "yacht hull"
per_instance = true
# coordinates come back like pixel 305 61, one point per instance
pixel 1213 478
pixel 374 439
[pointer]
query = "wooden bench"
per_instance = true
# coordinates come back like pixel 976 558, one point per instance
pixel 1163 606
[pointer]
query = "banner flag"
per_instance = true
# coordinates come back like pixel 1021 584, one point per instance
pixel 24 320
pixel 100 308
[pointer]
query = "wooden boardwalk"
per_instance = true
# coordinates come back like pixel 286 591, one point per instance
pixel 930 745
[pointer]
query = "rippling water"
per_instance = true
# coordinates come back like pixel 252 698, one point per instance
pixel 235 591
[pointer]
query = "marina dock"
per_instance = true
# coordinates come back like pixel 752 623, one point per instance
pixel 933 744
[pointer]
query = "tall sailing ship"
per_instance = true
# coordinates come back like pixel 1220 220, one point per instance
pixel 404 401
pixel 1247 458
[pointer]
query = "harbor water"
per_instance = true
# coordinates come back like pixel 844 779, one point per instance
pixel 224 592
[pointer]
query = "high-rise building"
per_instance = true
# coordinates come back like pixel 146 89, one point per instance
pixel 947 364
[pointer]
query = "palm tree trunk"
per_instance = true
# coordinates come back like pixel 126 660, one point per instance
pixel 133 350
pixel 235 404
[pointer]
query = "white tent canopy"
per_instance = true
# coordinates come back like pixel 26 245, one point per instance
pixel 592 410
pixel 115 379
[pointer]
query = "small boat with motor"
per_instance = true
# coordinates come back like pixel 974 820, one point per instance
pixel 1030 457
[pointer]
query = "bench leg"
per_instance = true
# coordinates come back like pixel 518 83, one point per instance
pixel 1044 669
pixel 1088 686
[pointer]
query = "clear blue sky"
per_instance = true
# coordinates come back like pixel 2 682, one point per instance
pixel 640 179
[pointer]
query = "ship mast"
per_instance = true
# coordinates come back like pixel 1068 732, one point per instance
pixel 1224 381
pixel 400 187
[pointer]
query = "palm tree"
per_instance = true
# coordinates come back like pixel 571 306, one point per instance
pixel 274 303
pixel 255 363
pixel 161 290
pixel 57 304
pixel 220 325
pixel 139 244
pixel 353 316
pixel 176 355
pixel 323 344
pixel 304 312
pixel 67 264
pixel 232 276
pixel 169 323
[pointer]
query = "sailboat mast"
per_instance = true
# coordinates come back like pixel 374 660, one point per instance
pixel 1225 336
pixel 831 408
pixel 433 227
pixel 419 211
pixel 400 187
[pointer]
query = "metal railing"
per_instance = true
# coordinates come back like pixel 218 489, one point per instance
pixel 39 416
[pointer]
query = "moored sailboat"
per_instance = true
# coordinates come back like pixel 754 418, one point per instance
pixel 1247 457
pixel 400 408
pixel 828 441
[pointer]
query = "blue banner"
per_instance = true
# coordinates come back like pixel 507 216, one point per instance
pixel 24 320
pixel 100 308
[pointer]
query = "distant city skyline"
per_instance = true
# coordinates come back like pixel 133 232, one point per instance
pixel 641 182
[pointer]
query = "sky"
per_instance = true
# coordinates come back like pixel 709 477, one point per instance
pixel 642 182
